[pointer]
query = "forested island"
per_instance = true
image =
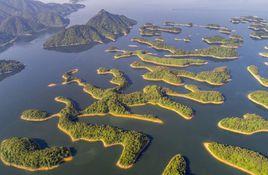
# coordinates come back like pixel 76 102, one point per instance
pixel 254 71
pixel 243 159
pixel 176 166
pixel 259 97
pixel 249 124
pixel 118 77
pixel 213 51
pixel 257 24
pixel 101 28
pixel 163 61
pixel 25 153
pixel 218 76
pixel 150 29
pixel 133 142
pixel 111 101
pixel 10 67
pixel 20 18
pixel 232 42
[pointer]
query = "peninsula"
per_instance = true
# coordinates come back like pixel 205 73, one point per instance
pixel 24 153
pixel 243 159
pixel 176 166
pixel 101 28
pixel 248 125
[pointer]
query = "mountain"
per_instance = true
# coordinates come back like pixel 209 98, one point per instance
pixel 26 17
pixel 101 28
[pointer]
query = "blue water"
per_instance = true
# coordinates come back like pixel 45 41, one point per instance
pixel 28 89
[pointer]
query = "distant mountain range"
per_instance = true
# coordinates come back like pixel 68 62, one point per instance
pixel 27 17
pixel 101 28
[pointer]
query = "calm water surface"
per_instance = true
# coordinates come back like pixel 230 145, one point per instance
pixel 28 89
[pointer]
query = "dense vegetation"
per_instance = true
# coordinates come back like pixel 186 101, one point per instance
pixel 213 51
pixel 241 158
pixel 260 97
pixel 149 58
pixel 25 153
pixel 218 76
pixel 34 114
pixel 176 166
pixel 255 73
pixel 118 77
pixel 249 124
pixel 150 29
pixel 20 17
pixel 102 27
pixel 206 97
pixel 133 142
pixel 115 103
pixel 223 42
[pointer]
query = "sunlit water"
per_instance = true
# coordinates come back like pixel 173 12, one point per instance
pixel 28 89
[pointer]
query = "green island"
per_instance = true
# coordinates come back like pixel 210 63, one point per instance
pixel 218 76
pixel 118 77
pixel 195 94
pixel 26 154
pixel 259 97
pixel 10 67
pixel 225 31
pixel 213 51
pixel 223 42
pixel 133 142
pixel 34 115
pixel 248 125
pixel 259 35
pixel 150 29
pixel 163 61
pixel 172 23
pixel 254 71
pixel 264 54
pixel 112 101
pixel 176 166
pixel 248 161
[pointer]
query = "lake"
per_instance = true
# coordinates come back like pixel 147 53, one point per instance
pixel 28 89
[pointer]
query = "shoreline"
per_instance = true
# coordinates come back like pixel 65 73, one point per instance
pixel 174 84
pixel 240 132
pixel 206 145
pixel 250 98
pixel 196 100
pixel 67 159
pixel 257 77
pixel 263 54
pixel 201 55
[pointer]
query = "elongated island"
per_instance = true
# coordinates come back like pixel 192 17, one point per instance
pixel 254 71
pixel 259 97
pixel 249 124
pixel 213 51
pixel 243 159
